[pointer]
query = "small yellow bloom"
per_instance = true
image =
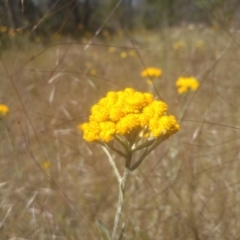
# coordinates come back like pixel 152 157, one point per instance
pixel 123 55
pixel 178 45
pixel 46 165
pixel 107 129
pixel 3 110
pixel 128 123
pixel 92 71
pixel 184 84
pixel 165 125
pixel 199 44
pixel 112 49
pixel 132 53
pixel 152 72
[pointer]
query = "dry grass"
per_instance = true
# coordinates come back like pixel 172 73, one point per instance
pixel 186 189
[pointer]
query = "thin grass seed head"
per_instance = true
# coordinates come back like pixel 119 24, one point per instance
pixel 126 114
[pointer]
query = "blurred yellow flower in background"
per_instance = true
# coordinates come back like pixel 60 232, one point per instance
pixel 152 72
pixel 132 53
pixel 184 84
pixel 178 45
pixel 112 49
pixel 92 71
pixel 3 110
pixel 46 165
pixel 123 55
pixel 199 44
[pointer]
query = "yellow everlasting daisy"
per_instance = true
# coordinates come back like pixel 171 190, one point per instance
pixel 122 113
pixel 184 84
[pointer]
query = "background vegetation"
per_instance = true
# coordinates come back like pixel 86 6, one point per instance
pixel 58 58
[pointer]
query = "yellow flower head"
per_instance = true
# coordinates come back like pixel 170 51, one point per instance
pixel 46 165
pixel 92 71
pixel 111 49
pixel 123 54
pixel 132 53
pixel 3 110
pixel 178 45
pixel 199 44
pixel 121 113
pixel 152 72
pixel 184 84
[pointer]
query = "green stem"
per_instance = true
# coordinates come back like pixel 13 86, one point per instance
pixel 120 204
pixel 147 151
pixel 122 185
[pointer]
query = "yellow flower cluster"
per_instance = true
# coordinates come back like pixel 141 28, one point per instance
pixel 3 110
pixel 185 84
pixel 121 113
pixel 152 72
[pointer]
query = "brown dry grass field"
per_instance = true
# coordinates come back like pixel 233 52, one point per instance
pixel 55 185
